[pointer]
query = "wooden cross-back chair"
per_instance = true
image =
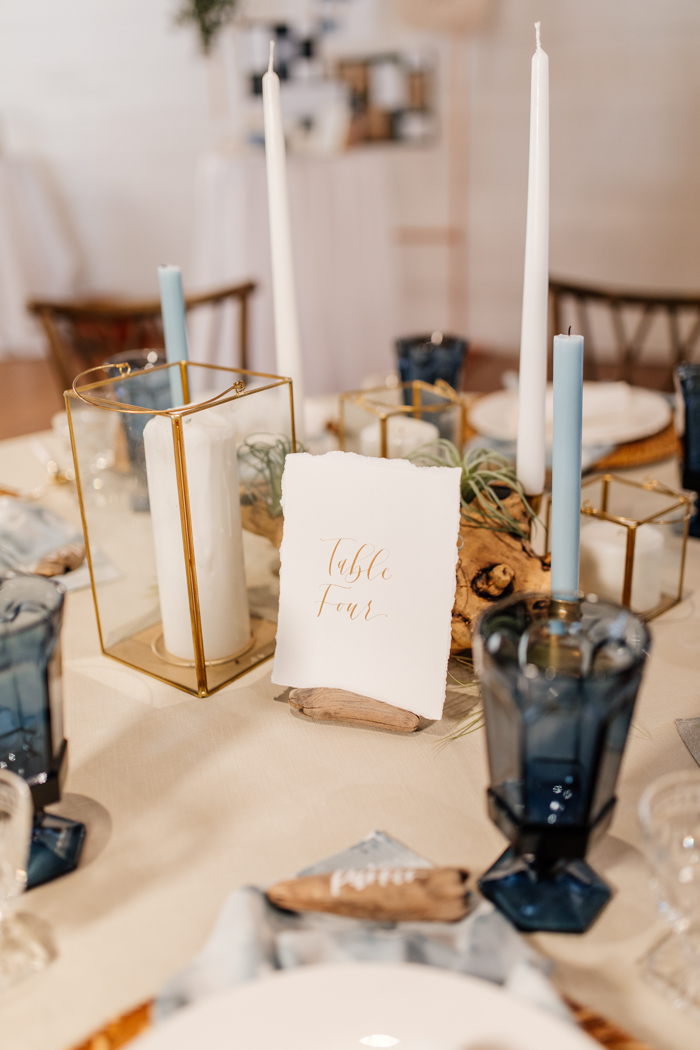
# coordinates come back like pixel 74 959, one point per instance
pixel 632 315
pixel 84 333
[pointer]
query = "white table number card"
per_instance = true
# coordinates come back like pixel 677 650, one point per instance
pixel 367 581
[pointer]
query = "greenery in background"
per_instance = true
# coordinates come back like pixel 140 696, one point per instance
pixel 264 456
pixel 210 16
pixel 484 473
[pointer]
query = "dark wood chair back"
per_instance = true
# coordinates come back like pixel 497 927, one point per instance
pixel 631 316
pixel 85 333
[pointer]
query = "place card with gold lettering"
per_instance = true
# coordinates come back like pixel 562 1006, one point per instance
pixel 367 579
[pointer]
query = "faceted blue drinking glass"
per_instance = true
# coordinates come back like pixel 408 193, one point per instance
pixel 32 743
pixel 688 386
pixel 149 389
pixel 430 358
pixel 559 682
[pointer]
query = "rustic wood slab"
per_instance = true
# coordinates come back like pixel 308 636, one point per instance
pixel 381 894
pixel 337 705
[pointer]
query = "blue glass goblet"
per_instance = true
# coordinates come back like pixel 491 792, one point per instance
pixel 688 388
pixel 559 680
pixel 32 744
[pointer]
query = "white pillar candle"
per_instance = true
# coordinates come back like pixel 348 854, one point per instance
pixel 212 479
pixel 287 341
pixel 533 334
pixel 404 434
pixel 603 548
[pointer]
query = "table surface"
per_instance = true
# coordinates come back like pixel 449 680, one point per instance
pixel 187 799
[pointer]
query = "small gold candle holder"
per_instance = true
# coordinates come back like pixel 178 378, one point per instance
pixel 392 421
pixel 178 470
pixel 633 542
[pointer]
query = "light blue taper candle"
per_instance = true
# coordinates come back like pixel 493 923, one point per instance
pixel 172 305
pixel 566 462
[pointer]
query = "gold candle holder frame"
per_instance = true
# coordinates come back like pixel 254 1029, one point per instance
pixel 672 508
pixel 442 405
pixel 127 608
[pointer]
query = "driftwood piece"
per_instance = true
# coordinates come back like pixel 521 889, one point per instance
pixel 255 517
pixel 491 566
pixel 338 705
pixel 63 560
pixel 382 894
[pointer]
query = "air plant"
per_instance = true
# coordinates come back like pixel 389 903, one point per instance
pixel 474 720
pixel 485 475
pixel 262 457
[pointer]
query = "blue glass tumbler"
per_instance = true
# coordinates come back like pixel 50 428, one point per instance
pixel 150 389
pixel 431 357
pixel 559 682
pixel 32 743
pixel 688 387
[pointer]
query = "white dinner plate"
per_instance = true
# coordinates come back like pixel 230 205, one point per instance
pixel 612 414
pixel 349 1007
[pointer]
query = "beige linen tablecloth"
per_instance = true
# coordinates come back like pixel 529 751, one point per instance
pixel 187 799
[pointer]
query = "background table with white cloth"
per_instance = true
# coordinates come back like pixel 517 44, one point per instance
pixel 344 262
pixel 187 799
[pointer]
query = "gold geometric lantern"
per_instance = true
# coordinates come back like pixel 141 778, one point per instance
pixel 393 421
pixel 633 542
pixel 182 528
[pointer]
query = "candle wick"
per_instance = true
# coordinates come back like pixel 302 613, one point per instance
pixel 537 36
pixel 569 329
pixel 272 52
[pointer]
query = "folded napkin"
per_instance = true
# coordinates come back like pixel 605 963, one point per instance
pixel 251 938
pixel 30 532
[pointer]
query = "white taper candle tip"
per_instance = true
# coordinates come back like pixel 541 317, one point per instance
pixel 537 36
pixel 272 54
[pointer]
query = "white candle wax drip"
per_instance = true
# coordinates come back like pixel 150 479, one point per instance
pixel 404 435
pixel 212 479
pixel 603 547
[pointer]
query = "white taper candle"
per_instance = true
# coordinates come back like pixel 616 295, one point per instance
pixel 283 288
pixel 533 336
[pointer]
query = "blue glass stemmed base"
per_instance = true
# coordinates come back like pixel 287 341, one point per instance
pixel 566 899
pixel 57 843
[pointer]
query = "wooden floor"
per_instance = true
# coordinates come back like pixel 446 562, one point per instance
pixel 30 393
pixel 29 396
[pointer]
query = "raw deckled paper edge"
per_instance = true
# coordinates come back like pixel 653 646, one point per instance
pixel 381 465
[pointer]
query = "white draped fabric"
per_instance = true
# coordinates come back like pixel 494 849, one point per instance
pixel 38 256
pixel 344 263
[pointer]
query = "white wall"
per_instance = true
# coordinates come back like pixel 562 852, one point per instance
pixel 625 149
pixel 112 95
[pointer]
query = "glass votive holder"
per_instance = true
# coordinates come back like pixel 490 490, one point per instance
pixel 191 521
pixel 631 550
pixel 669 812
pixel 559 682
pixel 375 422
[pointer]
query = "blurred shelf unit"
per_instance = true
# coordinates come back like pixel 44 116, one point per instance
pixel 332 104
